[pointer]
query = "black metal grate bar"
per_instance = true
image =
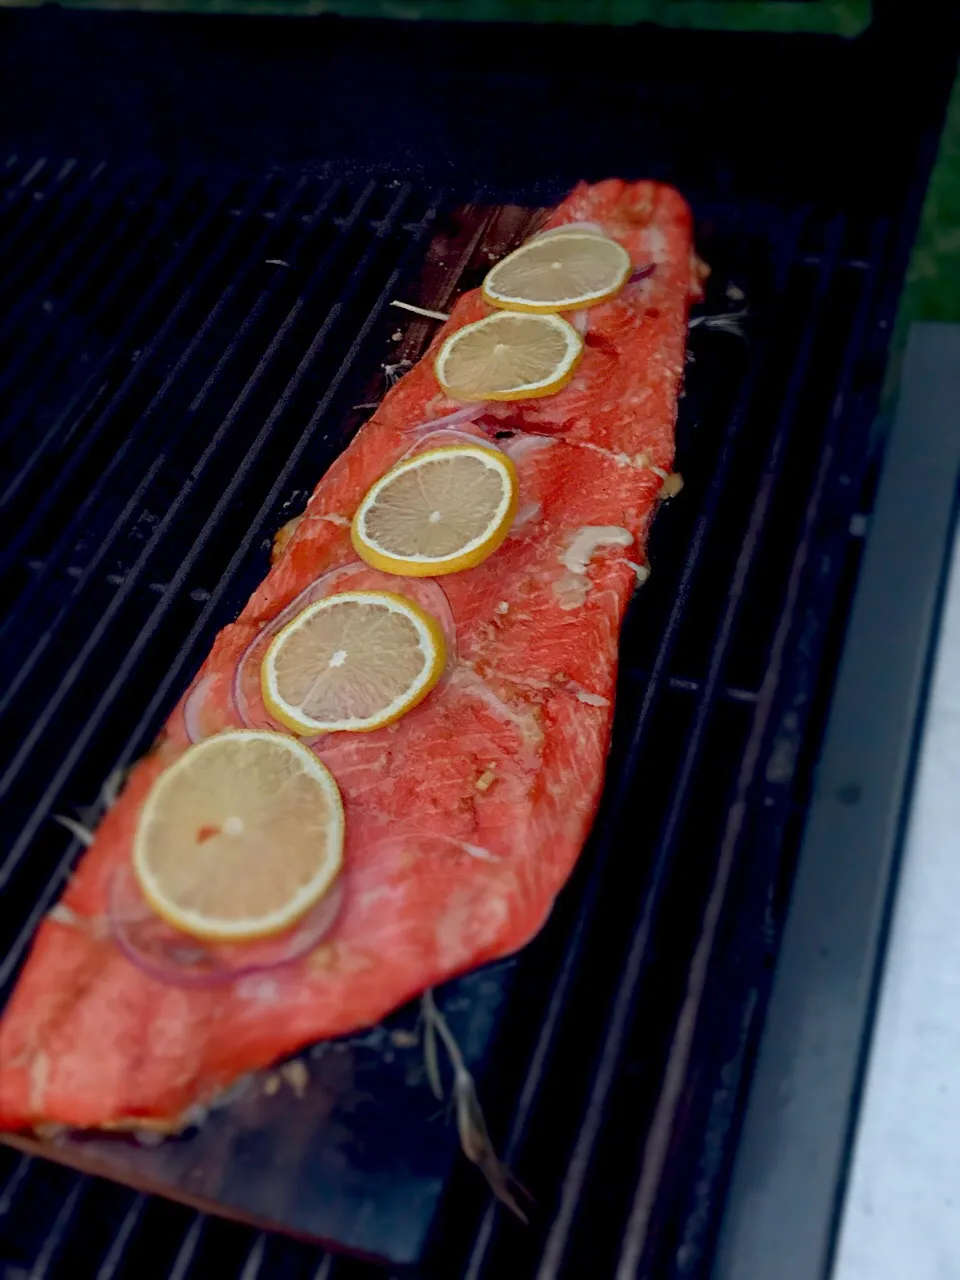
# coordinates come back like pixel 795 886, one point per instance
pixel 66 338
pixel 218 439
pixel 640 1219
pixel 638 953
pixel 188 1249
pixel 176 375
pixel 218 391
pixel 65 547
pixel 168 383
pixel 56 1237
pixel 357 279
pixel 126 1228
pixel 252 1267
pixel 61 230
pixel 31 204
pixel 13 1183
pixel 748 928
pixel 105 234
pixel 143 362
pixel 704 692
pixel 658 682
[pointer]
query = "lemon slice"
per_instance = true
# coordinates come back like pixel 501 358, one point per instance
pixel 509 356
pixel 354 661
pixel 239 837
pixel 440 511
pixel 558 273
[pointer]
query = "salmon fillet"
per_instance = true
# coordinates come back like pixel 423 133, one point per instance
pixel 466 817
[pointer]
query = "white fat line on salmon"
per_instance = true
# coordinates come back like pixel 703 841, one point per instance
pixel 560 681
pixel 257 987
pixel 517 447
pixel 572 588
pixel 411 837
pixel 587 541
pixel 526 515
pixel 38 1075
pixel 476 850
pixel 524 682
pixel 571 591
pixel 641 461
pixel 472 1129
pixel 524 720
pixel 621 459
pixel 94 927
pixel 586 697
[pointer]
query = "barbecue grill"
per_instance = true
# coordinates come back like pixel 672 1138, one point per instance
pixel 204 224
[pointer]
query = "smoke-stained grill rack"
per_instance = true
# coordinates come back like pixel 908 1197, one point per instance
pixel 183 350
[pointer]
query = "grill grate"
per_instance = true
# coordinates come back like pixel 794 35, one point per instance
pixel 199 367
pixel 182 350
pixel 737 561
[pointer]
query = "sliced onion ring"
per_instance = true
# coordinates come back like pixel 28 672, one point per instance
pixel 518 447
pixel 450 436
pixel 193 708
pixel 426 592
pixel 179 960
pixel 642 273
pixel 326 584
pixel 468 413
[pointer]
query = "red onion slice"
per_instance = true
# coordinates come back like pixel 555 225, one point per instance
pixel 432 597
pixel 194 707
pixel 183 961
pixel 449 436
pixel 642 273
pixel 468 413
pixel 526 515
pixel 520 446
pixel 356 576
pixel 246 676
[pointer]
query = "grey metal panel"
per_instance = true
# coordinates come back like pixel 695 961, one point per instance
pixel 784 1199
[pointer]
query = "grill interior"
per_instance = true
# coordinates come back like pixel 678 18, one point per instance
pixel 184 345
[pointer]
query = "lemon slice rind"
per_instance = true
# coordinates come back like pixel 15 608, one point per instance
pixel 617 269
pixel 559 375
pixel 431 642
pixel 468 556
pixel 210 928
